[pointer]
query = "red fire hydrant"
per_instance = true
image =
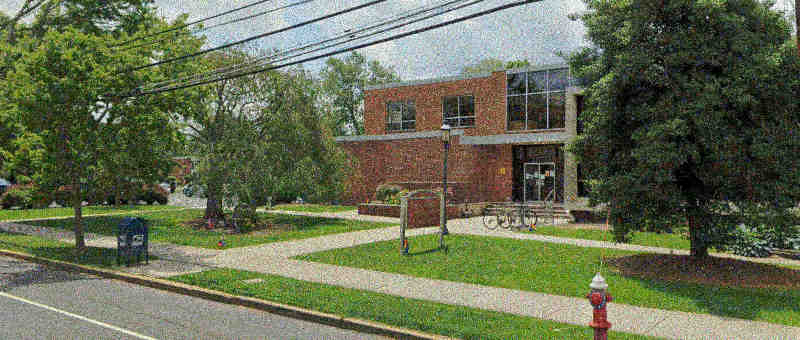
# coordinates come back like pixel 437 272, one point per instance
pixel 598 297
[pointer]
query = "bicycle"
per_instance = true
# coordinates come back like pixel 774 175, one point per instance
pixel 509 216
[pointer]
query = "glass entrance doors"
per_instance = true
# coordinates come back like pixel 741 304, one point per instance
pixel 539 181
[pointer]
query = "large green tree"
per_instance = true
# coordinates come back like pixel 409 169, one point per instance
pixel 259 136
pixel 691 115
pixel 63 88
pixel 343 82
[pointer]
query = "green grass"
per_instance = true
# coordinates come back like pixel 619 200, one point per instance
pixel 562 270
pixel 454 321
pixel 57 250
pixel 166 227
pixel 26 214
pixel 650 239
pixel 314 208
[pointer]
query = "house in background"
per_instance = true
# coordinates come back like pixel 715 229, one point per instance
pixel 182 169
pixel 509 129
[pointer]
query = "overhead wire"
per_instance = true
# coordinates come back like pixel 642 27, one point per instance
pixel 344 50
pixel 252 16
pixel 297 47
pixel 260 62
pixel 304 23
pixel 191 23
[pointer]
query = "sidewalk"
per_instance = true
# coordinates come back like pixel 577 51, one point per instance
pixel 275 259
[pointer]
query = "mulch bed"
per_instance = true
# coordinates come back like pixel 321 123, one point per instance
pixel 264 228
pixel 711 270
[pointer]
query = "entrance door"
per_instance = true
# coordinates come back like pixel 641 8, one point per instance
pixel 539 181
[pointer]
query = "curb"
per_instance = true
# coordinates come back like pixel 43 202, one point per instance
pixel 358 325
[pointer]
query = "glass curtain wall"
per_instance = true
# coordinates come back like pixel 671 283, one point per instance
pixel 536 100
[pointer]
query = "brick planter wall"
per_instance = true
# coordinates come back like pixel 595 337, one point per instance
pixel 425 212
pixel 375 209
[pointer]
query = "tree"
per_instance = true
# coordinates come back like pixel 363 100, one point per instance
pixel 259 136
pixel 61 91
pixel 343 83
pixel 492 64
pixel 691 114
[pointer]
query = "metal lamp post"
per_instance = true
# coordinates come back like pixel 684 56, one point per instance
pixel 443 209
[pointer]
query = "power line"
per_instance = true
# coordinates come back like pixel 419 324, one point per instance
pixel 220 24
pixel 191 23
pixel 348 33
pixel 371 3
pixel 348 49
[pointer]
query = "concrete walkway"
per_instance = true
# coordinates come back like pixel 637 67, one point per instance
pixel 275 259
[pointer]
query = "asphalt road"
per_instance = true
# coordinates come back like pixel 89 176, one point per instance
pixel 40 303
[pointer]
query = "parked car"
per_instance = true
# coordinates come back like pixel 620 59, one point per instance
pixel 192 189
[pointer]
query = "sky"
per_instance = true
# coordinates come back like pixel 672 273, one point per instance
pixel 536 31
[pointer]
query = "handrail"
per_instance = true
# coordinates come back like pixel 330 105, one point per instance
pixel 552 201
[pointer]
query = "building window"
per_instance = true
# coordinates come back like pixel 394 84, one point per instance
pixel 537 100
pixel 400 116
pixel 459 111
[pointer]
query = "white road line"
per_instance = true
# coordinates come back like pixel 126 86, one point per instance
pixel 102 324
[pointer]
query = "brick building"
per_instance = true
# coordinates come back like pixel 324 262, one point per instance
pixel 508 133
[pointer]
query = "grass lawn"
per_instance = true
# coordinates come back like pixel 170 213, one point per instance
pixel 564 270
pixel 642 238
pixel 7 215
pixel 431 317
pixel 166 227
pixel 314 208
pixel 57 250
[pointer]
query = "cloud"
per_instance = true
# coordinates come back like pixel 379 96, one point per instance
pixel 534 31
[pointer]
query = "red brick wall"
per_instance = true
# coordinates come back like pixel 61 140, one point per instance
pixel 476 170
pixel 481 172
pixel 490 104
pixel 425 212
pixel 388 210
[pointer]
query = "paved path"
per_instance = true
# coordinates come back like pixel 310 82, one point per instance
pixel 43 303
pixel 275 259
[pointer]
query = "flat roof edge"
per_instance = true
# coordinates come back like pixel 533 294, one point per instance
pixel 516 138
pixel 397 136
pixel 427 81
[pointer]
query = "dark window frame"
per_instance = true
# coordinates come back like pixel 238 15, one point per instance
pixel 405 124
pixel 459 117
pixel 547 92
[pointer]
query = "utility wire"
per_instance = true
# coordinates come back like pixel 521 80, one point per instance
pixel 394 37
pixel 191 23
pixel 371 3
pixel 297 47
pixel 220 24
pixel 260 62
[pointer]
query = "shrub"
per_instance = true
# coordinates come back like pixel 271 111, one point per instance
pixel 41 198
pixel 17 196
pixel 153 193
pixel 395 199
pixel 744 241
pixel 385 192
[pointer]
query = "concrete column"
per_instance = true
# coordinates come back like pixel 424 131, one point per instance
pixel 570 165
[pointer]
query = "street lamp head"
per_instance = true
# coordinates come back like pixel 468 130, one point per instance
pixel 445 133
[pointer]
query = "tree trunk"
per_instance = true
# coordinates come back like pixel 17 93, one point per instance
pixel 117 195
pixel 699 246
pixel 213 209
pixel 80 243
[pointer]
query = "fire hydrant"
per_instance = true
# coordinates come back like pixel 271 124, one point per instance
pixel 598 297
